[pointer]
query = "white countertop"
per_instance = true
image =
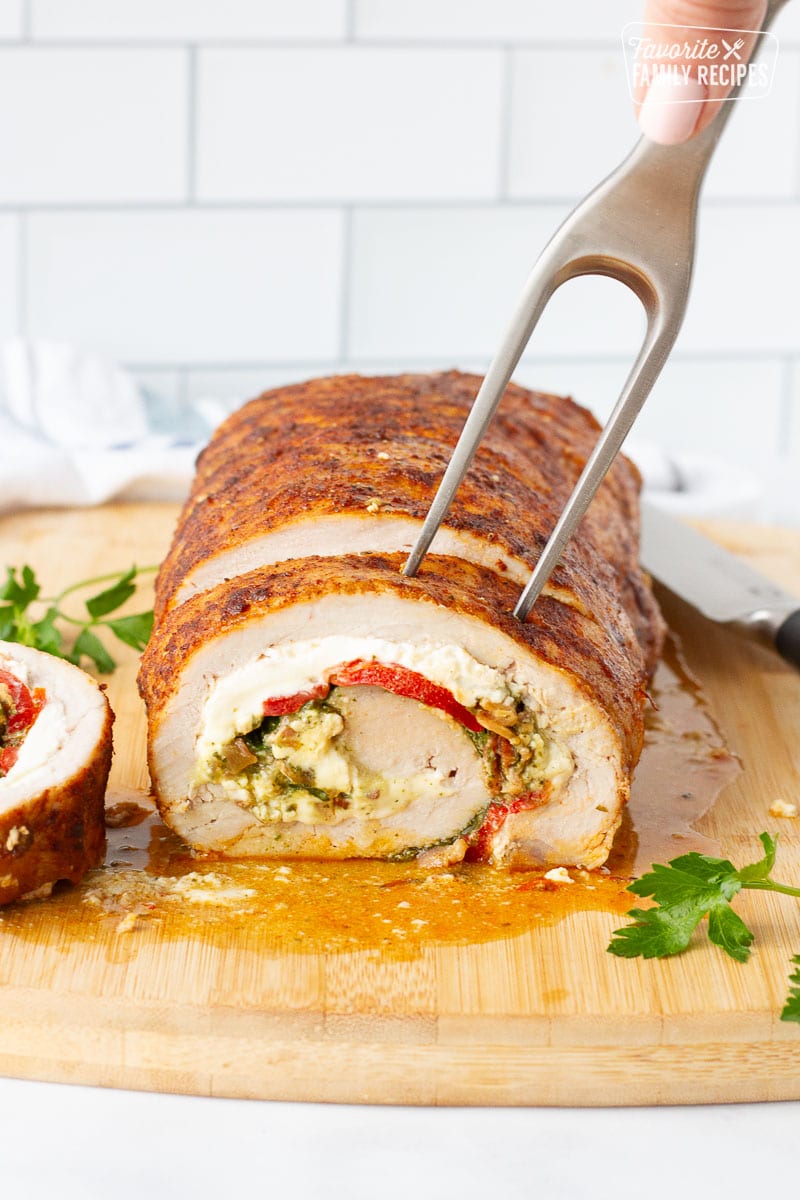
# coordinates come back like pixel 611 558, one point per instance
pixel 79 1142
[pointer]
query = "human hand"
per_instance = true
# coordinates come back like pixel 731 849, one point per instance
pixel 672 106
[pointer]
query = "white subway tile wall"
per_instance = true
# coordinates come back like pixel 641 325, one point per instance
pixel 11 22
pixel 188 286
pixel 348 124
pixel 230 196
pixel 92 126
pixel 757 158
pixel 791 431
pixel 567 99
pixel 439 281
pixel 745 296
pixel 9 275
pixel 789 28
pixel 189 20
pixel 577 100
pixel 494 20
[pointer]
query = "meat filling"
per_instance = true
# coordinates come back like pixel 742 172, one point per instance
pixel 321 757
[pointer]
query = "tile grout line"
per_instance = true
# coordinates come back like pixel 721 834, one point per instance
pixel 191 126
pixel 331 42
pixel 780 357
pixel 797 154
pixel 350 21
pixel 401 204
pixel 316 42
pixel 345 284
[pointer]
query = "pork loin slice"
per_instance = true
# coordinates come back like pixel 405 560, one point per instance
pixel 52 797
pixel 583 684
pixel 349 465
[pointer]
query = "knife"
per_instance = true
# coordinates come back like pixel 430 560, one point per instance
pixel 718 583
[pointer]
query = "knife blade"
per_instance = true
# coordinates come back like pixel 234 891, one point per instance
pixel 719 584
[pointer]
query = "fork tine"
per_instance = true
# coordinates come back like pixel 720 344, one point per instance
pixel 637 227
pixel 542 282
pixel 661 333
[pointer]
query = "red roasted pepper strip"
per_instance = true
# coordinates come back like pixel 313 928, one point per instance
pixel 7 759
pixel 24 708
pixel 404 682
pixel 388 676
pixel 480 845
pixel 283 706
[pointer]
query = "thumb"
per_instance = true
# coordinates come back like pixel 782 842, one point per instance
pixel 691 53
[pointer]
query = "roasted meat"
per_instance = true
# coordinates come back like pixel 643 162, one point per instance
pixel 304 698
pixel 349 465
pixel 55 756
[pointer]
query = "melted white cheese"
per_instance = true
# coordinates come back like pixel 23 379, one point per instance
pixel 18 669
pixel 235 704
pixel 308 745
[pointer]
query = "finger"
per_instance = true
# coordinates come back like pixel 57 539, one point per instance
pixel 691 54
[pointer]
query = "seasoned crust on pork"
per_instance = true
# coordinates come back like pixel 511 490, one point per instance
pixel 52 826
pixel 608 665
pixel 304 506
pixel 60 832
pixel 358 459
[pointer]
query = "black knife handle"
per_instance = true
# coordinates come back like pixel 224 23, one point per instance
pixel 787 639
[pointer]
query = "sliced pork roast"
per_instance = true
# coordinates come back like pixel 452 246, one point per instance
pixel 306 699
pixel 349 465
pixel 55 756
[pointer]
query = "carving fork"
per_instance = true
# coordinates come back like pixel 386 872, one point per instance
pixel 637 226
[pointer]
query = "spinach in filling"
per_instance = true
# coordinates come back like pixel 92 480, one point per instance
pixel 292 768
pixel 274 768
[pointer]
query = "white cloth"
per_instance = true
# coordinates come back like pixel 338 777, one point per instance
pixel 695 485
pixel 74 430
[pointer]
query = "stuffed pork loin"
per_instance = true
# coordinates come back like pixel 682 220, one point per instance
pixel 55 756
pixel 308 700
pixel 349 464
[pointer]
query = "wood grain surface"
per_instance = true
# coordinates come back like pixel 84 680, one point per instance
pixel 541 1017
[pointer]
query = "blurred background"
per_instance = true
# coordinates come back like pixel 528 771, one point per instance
pixel 225 196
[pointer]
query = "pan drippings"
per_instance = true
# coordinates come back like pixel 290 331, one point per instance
pixel 153 887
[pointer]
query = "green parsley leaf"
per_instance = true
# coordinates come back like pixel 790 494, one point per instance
pixel 88 645
pixel 763 868
pixel 48 638
pixel 688 878
pixel 134 631
pixel 656 932
pixel 685 891
pixel 8 623
pixel 21 589
pixel 114 597
pixel 728 931
pixel 791 1009
pixel 21 592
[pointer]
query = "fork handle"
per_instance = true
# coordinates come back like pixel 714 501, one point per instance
pixel 650 173
pixel 688 161
pixel 787 638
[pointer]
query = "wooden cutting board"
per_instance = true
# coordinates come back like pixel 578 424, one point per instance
pixel 532 1013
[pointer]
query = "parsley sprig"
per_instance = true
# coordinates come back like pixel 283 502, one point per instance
pixel 791 1009
pixel 22 591
pixel 690 888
